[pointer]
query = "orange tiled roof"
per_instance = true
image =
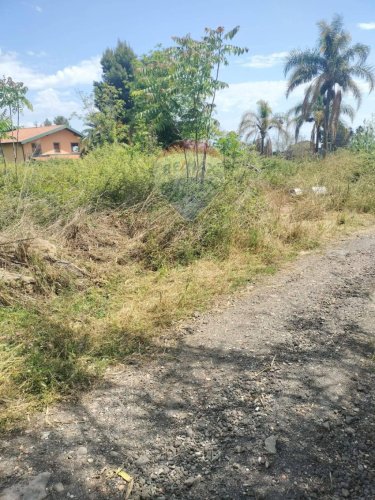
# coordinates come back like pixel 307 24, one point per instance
pixel 27 134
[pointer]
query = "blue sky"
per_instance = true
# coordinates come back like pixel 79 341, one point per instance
pixel 55 46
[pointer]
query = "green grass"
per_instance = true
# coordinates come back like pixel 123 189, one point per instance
pixel 154 248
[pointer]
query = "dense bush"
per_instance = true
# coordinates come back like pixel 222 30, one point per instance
pixel 45 191
pixel 364 138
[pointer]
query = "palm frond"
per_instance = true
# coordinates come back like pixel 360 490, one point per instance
pixel 355 90
pixel 365 73
pixel 348 110
pixel 299 58
pixel 357 51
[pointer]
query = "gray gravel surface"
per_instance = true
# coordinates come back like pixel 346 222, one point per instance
pixel 271 397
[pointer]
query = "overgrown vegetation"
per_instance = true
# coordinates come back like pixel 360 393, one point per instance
pixel 129 262
pixel 100 255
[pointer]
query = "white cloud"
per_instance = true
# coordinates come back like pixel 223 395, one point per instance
pixel 51 94
pixel 82 73
pixel 265 61
pixel 49 103
pixel 32 53
pixel 38 8
pixel 366 26
pixel 233 101
pixel 243 96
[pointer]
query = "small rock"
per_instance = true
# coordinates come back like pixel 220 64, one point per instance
pixel 319 190
pixel 142 460
pixel 189 432
pixel 192 480
pixel 345 493
pixel 270 444
pixel 59 487
pixel 82 450
pixel 178 442
pixel 327 426
pixel 296 191
pixel 114 454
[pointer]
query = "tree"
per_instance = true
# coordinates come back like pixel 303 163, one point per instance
pixel 330 71
pixel 233 150
pixel 105 126
pixel 257 126
pixel 154 97
pixel 12 102
pixel 5 126
pixel 47 123
pixel 178 85
pixel 343 136
pixel 202 61
pixel 364 137
pixel 61 120
pixel 118 72
pixel 312 111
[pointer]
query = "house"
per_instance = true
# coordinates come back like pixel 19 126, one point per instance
pixel 41 143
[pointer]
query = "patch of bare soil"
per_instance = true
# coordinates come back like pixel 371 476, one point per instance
pixel 272 398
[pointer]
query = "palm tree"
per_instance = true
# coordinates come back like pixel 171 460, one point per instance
pixel 257 125
pixel 311 111
pixel 330 70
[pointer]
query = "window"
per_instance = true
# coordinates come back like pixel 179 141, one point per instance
pixel 56 147
pixel 36 149
pixel 75 147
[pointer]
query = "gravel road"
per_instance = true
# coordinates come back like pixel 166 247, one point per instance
pixel 271 397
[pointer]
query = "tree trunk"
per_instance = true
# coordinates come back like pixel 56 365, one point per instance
pixel 196 154
pixel 11 126
pixel 312 138
pixel 18 129
pixel 186 163
pixel 317 139
pixel 4 160
pixel 208 130
pixel 326 122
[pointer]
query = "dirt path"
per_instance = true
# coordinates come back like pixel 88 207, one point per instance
pixel 288 363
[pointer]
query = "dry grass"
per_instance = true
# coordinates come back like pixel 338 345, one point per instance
pixel 122 274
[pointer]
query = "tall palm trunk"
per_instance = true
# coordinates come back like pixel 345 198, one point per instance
pixel 262 138
pixel 327 120
pixel 313 138
pixel 326 124
pixel 317 138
